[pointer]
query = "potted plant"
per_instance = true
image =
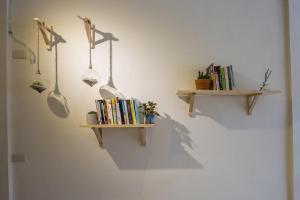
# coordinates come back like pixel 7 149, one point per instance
pixel 203 82
pixel 149 111
pixel 91 117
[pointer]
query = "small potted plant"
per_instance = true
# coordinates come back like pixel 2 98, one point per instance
pixel 203 82
pixel 149 111
pixel 91 118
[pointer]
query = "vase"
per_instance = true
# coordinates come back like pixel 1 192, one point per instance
pixel 91 119
pixel 150 119
pixel 203 84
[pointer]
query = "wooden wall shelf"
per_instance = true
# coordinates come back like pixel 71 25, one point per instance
pixel 97 128
pixel 251 96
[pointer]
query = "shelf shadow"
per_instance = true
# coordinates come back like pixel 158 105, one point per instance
pixel 169 147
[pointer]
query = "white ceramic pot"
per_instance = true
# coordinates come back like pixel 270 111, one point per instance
pixel 91 119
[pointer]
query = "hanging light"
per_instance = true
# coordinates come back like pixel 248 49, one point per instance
pixel 90 76
pixel 39 83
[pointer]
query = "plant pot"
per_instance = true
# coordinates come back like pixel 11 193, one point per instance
pixel 91 119
pixel 203 84
pixel 150 119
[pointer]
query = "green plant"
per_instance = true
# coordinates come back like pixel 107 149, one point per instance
pixel 201 75
pixel 92 112
pixel 149 108
pixel 37 83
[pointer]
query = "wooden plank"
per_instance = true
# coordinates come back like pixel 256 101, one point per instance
pixel 238 92
pixel 117 125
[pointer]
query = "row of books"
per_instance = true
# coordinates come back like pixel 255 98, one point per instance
pixel 222 77
pixel 119 111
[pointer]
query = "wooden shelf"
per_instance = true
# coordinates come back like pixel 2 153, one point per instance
pixel 97 128
pixel 251 96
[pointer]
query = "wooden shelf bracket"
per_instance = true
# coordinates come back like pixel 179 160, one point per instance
pixel 251 96
pixel 97 129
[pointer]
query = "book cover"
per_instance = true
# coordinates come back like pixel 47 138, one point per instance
pixel 114 111
pixel 109 111
pixel 129 114
pixel 218 71
pixel 232 77
pixel 121 111
pixel 229 78
pixel 125 111
pixel 136 109
pixel 101 104
pixel 98 111
pixel 106 111
pixel 119 118
pixel 226 78
pixel 223 78
pixel 132 111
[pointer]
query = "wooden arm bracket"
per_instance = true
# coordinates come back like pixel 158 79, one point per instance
pixel 251 101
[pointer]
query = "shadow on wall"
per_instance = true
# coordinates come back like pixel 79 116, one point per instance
pixel 169 147
pixel 231 112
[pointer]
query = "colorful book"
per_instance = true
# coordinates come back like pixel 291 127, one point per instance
pixel 114 111
pixel 109 111
pixel 125 111
pixel 223 82
pixel 129 111
pixel 132 111
pixel 121 111
pixel 136 104
pixel 119 118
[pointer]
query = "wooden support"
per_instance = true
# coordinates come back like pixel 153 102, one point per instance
pixel 98 133
pixel 143 139
pixel 251 101
pixel 191 108
pixel 97 128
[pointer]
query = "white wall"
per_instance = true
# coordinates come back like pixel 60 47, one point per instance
pixel 220 154
pixel 294 15
pixel 3 107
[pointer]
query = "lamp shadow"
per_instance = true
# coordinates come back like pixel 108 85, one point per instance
pixel 169 146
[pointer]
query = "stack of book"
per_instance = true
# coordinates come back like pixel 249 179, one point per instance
pixel 222 77
pixel 119 111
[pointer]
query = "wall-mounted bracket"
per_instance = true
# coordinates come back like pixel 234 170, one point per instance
pixel 97 128
pixel 50 37
pixel 251 96
pixel 91 31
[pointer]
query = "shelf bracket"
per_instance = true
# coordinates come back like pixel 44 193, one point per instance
pixel 99 136
pixel 251 101
pixel 191 102
pixel 143 136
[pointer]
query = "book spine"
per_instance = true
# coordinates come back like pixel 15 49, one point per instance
pixel 132 112
pixel 114 111
pixel 106 111
pixel 232 77
pixel 136 109
pixel 129 112
pixel 109 111
pixel 223 79
pixel 229 78
pixel 98 111
pixel 125 111
pixel 121 111
pixel 226 78
pixel 101 104
pixel 119 118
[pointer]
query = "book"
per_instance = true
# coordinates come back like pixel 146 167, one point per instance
pixel 232 76
pixel 125 111
pixel 132 111
pixel 101 104
pixel 129 111
pixel 98 111
pixel 109 111
pixel 136 104
pixel 218 72
pixel 119 118
pixel 223 83
pixel 229 78
pixel 114 111
pixel 122 111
